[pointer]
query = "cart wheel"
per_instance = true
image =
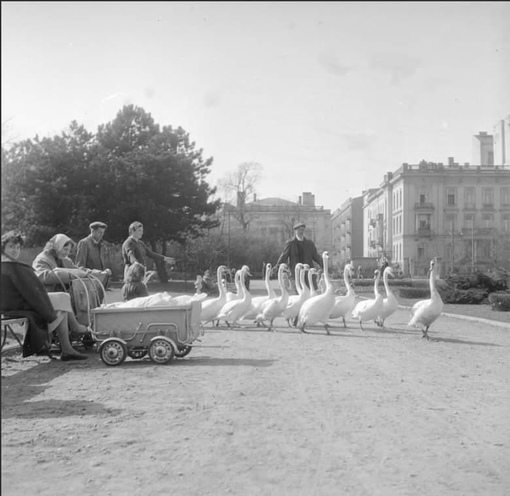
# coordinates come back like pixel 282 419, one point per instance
pixel 161 351
pixel 183 351
pixel 113 352
pixel 137 354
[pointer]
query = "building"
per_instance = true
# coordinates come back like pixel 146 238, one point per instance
pixel 483 149
pixel 347 232
pixel 274 219
pixel 501 138
pixel 459 214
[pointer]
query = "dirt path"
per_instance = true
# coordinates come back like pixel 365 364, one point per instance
pixel 255 413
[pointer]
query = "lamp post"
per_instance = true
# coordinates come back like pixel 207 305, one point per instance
pixel 453 247
pixel 472 244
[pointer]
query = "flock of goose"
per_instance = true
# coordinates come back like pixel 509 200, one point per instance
pixel 310 307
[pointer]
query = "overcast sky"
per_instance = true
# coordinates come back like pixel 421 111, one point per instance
pixel 327 97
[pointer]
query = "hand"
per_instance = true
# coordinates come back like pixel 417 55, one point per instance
pixel 107 272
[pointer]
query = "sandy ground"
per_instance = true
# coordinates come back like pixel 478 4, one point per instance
pixel 251 412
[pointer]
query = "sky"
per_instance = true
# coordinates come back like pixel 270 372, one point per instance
pixel 326 96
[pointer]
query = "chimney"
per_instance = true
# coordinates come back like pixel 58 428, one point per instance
pixel 450 162
pixel 308 199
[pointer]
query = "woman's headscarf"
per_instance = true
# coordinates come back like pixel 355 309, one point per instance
pixel 57 243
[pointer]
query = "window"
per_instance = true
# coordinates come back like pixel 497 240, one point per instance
pixel 505 196
pixel 505 223
pixel 421 252
pixel 491 158
pixel 487 220
pixel 470 196
pixel 488 196
pixel 450 196
pixel 423 199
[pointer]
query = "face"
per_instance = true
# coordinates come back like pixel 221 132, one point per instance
pixel 66 250
pixel 300 232
pixel 12 249
pixel 138 233
pixel 98 233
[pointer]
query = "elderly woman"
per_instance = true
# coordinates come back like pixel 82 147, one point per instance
pixel 54 267
pixel 23 295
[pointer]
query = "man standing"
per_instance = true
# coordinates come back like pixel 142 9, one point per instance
pixel 90 251
pixel 135 250
pixel 299 250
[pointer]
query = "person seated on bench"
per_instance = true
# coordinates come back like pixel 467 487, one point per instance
pixel 24 295
pixel 54 267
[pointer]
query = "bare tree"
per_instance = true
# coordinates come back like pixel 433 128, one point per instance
pixel 240 185
pixel 7 137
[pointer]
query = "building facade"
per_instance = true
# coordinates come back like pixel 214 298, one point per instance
pixel 347 232
pixel 501 138
pixel 459 214
pixel 274 219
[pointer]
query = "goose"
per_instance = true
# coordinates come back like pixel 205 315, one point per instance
pixel 233 310
pixel 295 302
pixel 390 303
pixel 235 296
pixel 425 312
pixel 318 308
pixel 345 303
pixel 369 309
pixel 212 306
pixel 313 292
pixel 258 301
pixel 274 307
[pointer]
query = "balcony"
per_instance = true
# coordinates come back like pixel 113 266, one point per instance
pixel 424 232
pixel 424 207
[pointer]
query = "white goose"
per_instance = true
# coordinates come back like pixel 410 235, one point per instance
pixel 233 310
pixel 258 301
pixel 425 312
pixel 369 309
pixel 390 303
pixel 345 303
pixel 237 281
pixel 313 292
pixel 275 307
pixel 296 301
pixel 318 308
pixel 212 306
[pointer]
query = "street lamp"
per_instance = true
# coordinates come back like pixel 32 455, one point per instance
pixel 453 248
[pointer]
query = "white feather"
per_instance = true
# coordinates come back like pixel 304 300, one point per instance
pixel 390 303
pixel 212 306
pixel 233 310
pixel 345 303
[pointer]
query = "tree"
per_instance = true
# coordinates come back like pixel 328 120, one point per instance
pixel 130 170
pixel 241 184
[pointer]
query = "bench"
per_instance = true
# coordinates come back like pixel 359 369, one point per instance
pixel 7 324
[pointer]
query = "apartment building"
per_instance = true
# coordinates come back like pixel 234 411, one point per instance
pixel 501 142
pixel 347 232
pixel 459 214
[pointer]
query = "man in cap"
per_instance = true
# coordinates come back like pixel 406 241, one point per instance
pixel 90 252
pixel 299 250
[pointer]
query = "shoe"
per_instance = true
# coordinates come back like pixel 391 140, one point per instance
pixel 65 357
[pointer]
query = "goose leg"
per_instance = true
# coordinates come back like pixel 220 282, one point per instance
pixel 327 326
pixel 425 333
pixel 345 325
pixel 302 329
pixel 361 325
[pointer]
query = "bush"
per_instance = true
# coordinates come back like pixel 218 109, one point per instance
pixel 414 293
pixel 500 301
pixel 472 296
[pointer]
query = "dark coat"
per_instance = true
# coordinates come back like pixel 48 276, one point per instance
pixel 24 295
pixel 136 250
pixel 290 254
pixel 90 254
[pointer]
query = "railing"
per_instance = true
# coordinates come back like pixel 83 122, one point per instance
pixel 424 206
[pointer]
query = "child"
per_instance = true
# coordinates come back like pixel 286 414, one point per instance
pixel 134 286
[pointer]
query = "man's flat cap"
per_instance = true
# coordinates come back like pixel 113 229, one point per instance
pixel 299 224
pixel 97 225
